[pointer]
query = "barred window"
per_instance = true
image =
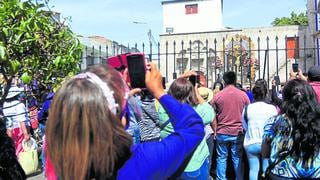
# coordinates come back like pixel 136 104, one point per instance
pixel 191 9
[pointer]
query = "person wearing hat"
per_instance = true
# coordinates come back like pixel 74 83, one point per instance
pixel 206 94
pixel 16 115
pixel 314 79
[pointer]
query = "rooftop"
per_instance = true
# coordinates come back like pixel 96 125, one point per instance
pixel 179 1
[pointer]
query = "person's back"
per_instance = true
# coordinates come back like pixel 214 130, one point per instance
pixel 291 139
pixel 257 115
pixel 229 104
pixel 149 123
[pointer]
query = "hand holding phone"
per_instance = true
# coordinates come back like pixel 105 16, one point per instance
pixel 154 81
pixel 194 79
pixel 295 67
pixel 136 70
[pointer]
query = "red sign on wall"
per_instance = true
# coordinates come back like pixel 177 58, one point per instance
pixel 292 47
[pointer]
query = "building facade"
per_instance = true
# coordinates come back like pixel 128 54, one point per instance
pixel 97 48
pixel 252 53
pixel 181 16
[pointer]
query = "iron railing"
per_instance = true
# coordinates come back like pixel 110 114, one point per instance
pixel 214 58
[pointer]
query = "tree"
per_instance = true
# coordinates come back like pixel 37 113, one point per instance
pixel 34 45
pixel 294 19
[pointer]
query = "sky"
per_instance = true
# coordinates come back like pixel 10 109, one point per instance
pixel 114 19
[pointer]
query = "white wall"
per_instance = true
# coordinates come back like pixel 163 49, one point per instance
pixel 208 18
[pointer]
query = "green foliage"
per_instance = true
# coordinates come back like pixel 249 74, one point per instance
pixel 34 45
pixel 294 19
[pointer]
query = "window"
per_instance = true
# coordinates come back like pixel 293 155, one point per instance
pixel 292 47
pixel 192 9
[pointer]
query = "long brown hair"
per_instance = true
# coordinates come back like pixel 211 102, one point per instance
pixel 84 138
pixel 183 90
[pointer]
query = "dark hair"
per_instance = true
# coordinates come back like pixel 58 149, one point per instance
pixel 11 168
pixel 302 109
pixel 85 139
pixel 182 90
pixel 262 84
pixel 230 77
pixel 218 83
pixel 259 93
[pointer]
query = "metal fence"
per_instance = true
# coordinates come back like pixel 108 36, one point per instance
pixel 250 59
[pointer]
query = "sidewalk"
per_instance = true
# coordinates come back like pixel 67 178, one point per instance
pixel 37 177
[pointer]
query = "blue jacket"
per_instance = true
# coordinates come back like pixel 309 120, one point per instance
pixel 43 113
pixel 160 160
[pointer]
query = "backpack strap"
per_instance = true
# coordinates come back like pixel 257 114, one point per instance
pixel 164 124
pixel 150 116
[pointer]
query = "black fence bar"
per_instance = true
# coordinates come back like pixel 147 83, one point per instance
pixel 190 46
pixel 182 58
pixel 241 62
pixel 167 76
pixel 174 60
pixel 107 51
pixel 224 56
pixel 295 51
pixel 159 65
pixel 232 55
pixel 143 47
pixel 198 55
pixel 207 61
pixel 268 62
pixel 259 60
pixel 150 52
pixel 286 50
pixel 250 65
pixel 100 57
pixel 304 52
pixel 215 59
pixel 277 57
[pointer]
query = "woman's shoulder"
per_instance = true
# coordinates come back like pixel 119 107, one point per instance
pixel 281 123
pixel 203 107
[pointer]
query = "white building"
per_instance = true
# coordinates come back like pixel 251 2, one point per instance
pixel 188 16
pixel 313 12
pixel 200 42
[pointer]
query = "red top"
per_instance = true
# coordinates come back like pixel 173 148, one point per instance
pixel 229 104
pixel 316 87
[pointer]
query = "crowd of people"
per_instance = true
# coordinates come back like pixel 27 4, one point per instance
pixel 97 127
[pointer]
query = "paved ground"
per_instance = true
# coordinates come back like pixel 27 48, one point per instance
pixel 37 177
